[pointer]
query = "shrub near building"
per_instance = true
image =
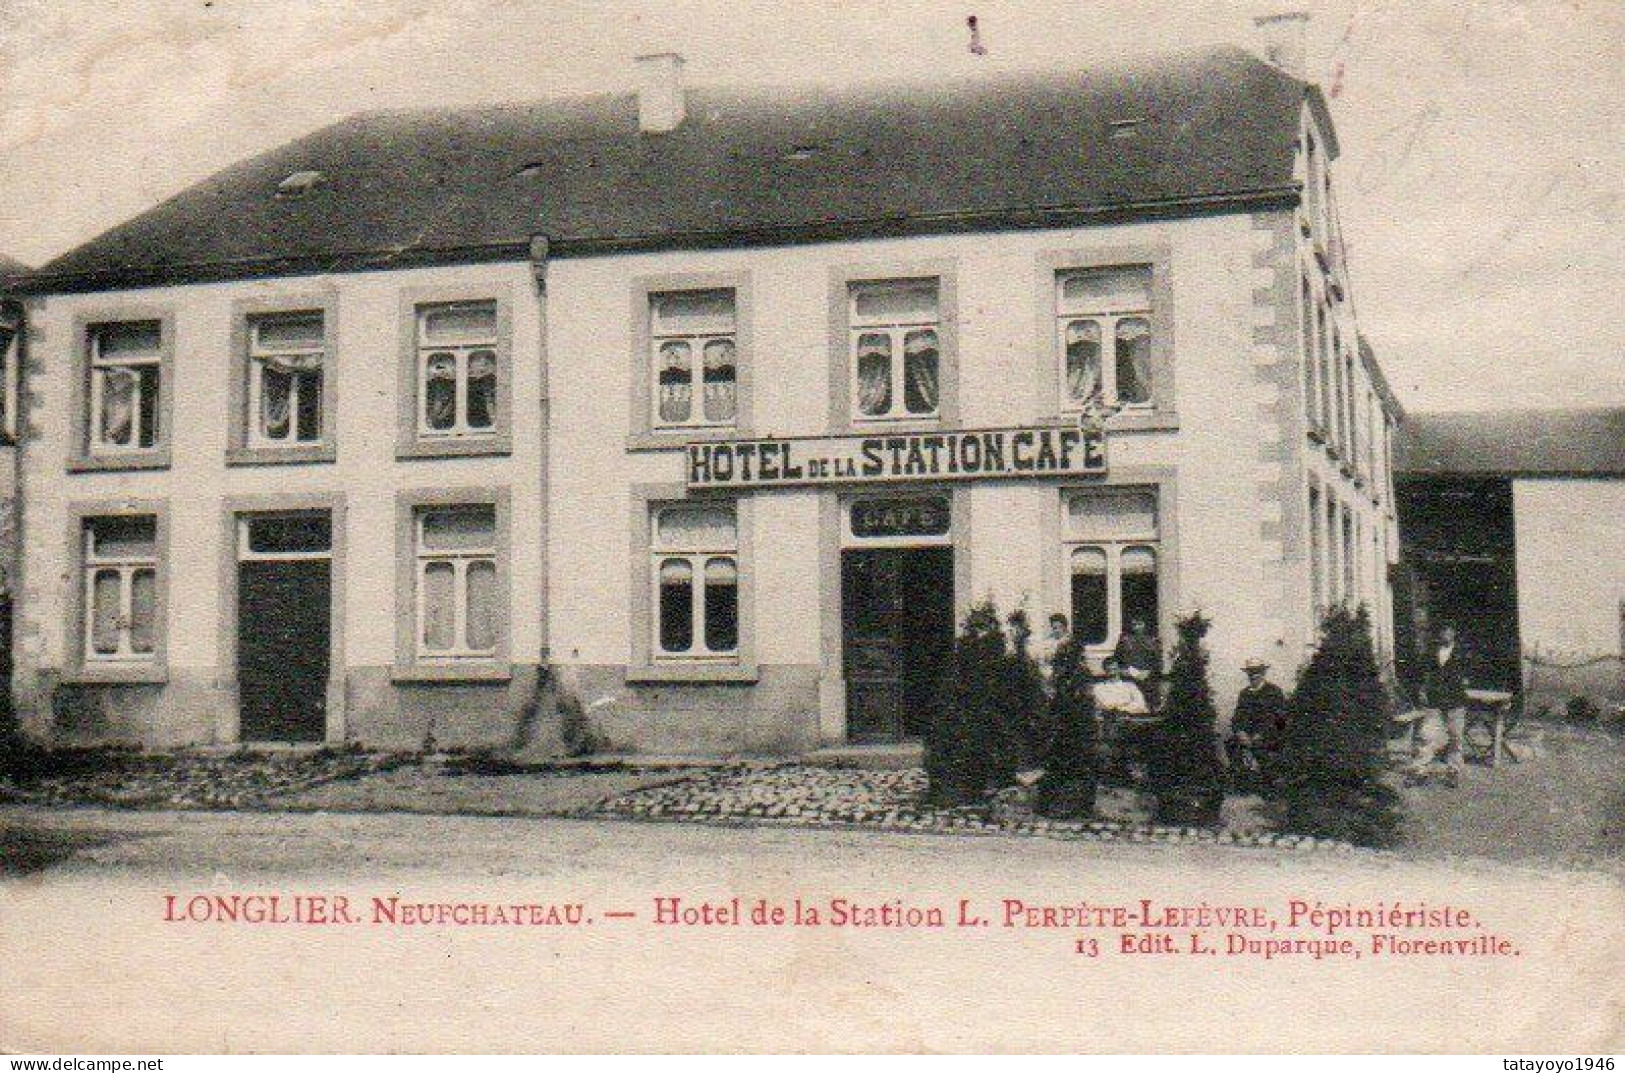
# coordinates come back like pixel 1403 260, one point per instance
pixel 1071 764
pixel 975 744
pixel 1334 759
pixel 1183 767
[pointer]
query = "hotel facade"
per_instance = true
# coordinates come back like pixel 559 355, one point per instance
pixel 696 418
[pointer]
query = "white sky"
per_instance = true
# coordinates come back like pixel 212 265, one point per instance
pixel 1481 181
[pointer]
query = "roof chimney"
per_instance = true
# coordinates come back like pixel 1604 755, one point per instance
pixel 1282 41
pixel 660 92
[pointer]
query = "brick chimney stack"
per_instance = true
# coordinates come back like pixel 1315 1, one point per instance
pixel 1282 41
pixel 660 92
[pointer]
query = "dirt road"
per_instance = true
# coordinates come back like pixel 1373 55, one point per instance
pixel 91 962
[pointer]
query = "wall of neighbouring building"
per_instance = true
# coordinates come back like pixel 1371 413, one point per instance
pixel 1571 588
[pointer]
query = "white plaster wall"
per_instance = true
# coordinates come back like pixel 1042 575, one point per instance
pixel 1220 549
pixel 1221 555
pixel 367 347
pixel 1570 539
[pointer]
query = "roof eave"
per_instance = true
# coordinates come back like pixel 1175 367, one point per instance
pixel 1042 217
pixel 1323 115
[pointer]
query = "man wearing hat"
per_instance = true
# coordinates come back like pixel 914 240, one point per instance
pixel 1258 728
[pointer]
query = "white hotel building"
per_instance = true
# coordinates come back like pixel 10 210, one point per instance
pixel 414 425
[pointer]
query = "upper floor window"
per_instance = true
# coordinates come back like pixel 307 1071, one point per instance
pixel 896 336
pixel 457 370
pixel 1312 183
pixel 286 353
pixel 695 549
pixel 1311 356
pixel 694 343
pixel 120 557
pixel 126 372
pixel 1328 376
pixel 1104 322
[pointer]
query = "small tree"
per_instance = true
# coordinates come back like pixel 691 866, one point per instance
pixel 1026 707
pixel 1334 758
pixel 1183 769
pixel 972 746
pixel 1071 749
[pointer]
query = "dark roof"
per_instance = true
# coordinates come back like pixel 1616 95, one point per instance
pixel 1379 380
pixel 1196 133
pixel 1532 443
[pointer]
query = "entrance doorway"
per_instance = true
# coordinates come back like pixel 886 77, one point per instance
pixel 897 617
pixel 284 626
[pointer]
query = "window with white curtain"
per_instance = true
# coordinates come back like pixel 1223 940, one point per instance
pixel 1110 543
pixel 120 557
pixel 694 359
pixel 695 551
pixel 896 341
pixel 286 353
pixel 458 612
pixel 457 370
pixel 126 363
pixel 1103 317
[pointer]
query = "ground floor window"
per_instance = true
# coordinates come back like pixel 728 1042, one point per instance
pixel 121 589
pixel 695 551
pixel 1111 548
pixel 458 612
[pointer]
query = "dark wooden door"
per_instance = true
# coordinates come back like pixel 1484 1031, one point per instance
pixel 284 636
pixel 898 627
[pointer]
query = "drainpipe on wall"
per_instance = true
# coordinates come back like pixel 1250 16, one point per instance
pixel 541 706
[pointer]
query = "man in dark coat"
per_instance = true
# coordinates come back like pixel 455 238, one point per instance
pixel 1444 686
pixel 1258 728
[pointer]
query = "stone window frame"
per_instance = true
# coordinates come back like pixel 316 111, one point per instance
pixel 81 459
pixel 945 270
pixel 409 443
pixel 642 435
pixel 1163 481
pixel 240 449
pixel 642 666
pixel 1163 413
pixel 409 667
pixel 77 670
pixel 1309 350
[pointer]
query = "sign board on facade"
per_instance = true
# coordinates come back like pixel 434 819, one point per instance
pixel 1040 451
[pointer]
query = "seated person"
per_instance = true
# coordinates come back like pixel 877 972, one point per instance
pixel 1116 695
pixel 1141 657
pixel 1258 728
